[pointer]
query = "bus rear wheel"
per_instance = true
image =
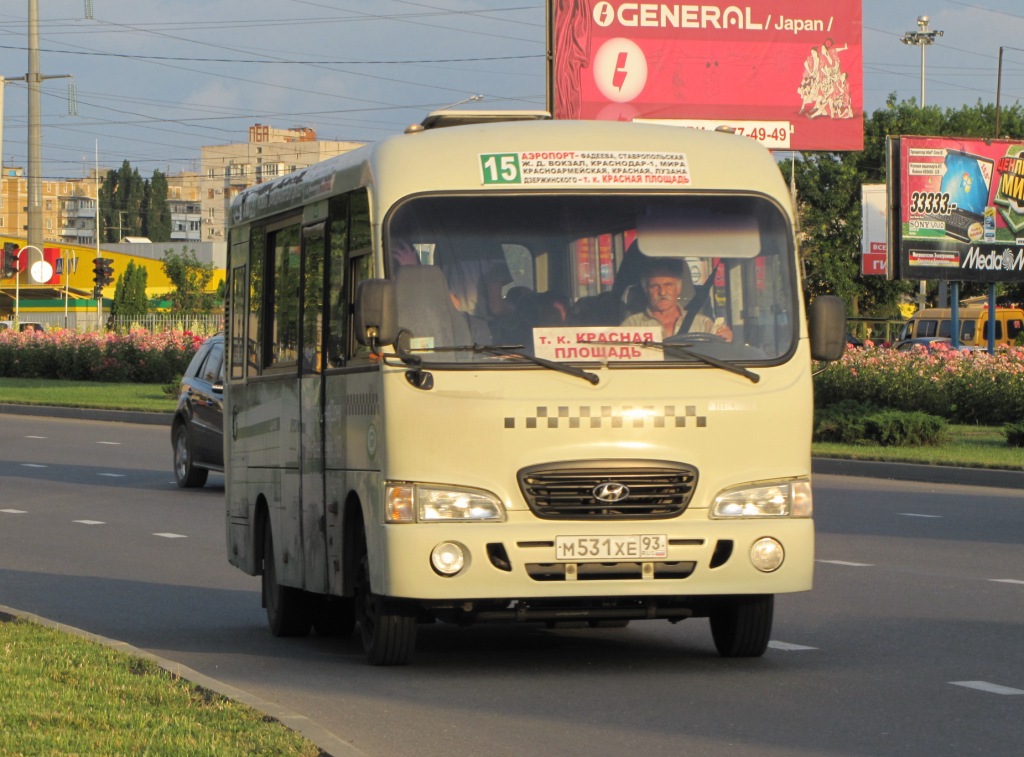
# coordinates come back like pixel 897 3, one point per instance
pixel 289 610
pixel 742 626
pixel 387 626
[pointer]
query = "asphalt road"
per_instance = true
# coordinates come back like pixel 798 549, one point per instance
pixel 910 643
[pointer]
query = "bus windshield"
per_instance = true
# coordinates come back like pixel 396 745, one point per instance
pixel 593 278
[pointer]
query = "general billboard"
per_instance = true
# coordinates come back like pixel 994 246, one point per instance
pixel 957 208
pixel 786 72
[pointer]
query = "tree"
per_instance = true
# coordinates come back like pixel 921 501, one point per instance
pixel 131 206
pixel 157 213
pixel 130 292
pixel 190 279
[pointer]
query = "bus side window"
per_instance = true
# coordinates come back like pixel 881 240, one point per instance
pixel 312 297
pixel 336 302
pixel 284 326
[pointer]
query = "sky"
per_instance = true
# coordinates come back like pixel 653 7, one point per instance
pixel 154 81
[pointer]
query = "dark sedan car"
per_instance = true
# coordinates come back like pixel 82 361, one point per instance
pixel 197 430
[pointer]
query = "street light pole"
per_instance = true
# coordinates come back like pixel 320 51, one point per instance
pixel 922 38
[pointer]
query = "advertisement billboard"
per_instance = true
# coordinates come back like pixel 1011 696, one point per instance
pixel 874 252
pixel 786 72
pixel 960 205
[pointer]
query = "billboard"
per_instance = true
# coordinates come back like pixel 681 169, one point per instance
pixel 874 252
pixel 786 72
pixel 958 208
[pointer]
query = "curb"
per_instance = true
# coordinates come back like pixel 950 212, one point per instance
pixel 89 414
pixel 933 474
pixel 329 744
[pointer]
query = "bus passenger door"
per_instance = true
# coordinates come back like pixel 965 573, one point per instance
pixel 311 417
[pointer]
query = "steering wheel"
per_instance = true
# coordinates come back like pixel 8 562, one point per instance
pixel 694 337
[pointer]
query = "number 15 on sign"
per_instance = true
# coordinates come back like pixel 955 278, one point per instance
pixel 500 168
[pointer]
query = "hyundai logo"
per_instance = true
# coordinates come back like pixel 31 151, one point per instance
pixel 610 491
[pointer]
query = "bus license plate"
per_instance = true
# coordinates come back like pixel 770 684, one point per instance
pixel 611 548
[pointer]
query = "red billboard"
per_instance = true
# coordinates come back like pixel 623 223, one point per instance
pixel 786 72
pixel 959 208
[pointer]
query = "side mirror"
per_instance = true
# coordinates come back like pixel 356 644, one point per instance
pixel 376 313
pixel 827 327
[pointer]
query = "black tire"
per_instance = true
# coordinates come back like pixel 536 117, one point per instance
pixel 742 626
pixel 387 626
pixel 289 610
pixel 185 473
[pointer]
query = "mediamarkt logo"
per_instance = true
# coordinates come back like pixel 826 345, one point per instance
pixel 994 261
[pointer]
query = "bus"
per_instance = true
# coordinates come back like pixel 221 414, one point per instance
pixel 448 398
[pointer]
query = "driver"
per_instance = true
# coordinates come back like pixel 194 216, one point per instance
pixel 662 282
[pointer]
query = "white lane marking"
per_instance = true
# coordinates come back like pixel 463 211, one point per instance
pixel 849 564
pixel 991 688
pixel 33 465
pixel 14 512
pixel 172 536
pixel 113 444
pixel 111 475
pixel 90 522
pixel 35 437
pixel 920 515
pixel 785 646
pixel 1006 580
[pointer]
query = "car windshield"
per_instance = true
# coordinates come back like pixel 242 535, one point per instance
pixel 593 278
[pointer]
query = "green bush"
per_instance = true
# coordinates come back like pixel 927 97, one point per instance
pixel 971 388
pixel 137 357
pixel 1014 433
pixel 851 422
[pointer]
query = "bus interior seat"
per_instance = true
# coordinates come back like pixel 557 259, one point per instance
pixel 425 308
pixel 604 309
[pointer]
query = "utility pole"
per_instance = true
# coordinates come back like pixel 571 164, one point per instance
pixel 35 129
pixel 923 37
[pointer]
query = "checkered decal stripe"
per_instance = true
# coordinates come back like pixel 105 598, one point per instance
pixel 607 416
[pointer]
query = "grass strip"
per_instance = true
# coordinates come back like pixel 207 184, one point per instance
pixel 61 393
pixel 60 694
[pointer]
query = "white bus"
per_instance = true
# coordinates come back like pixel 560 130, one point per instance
pixel 453 393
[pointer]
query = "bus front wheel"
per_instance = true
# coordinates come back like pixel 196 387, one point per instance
pixel 742 626
pixel 387 626
pixel 289 610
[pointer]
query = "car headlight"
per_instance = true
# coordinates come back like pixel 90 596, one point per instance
pixel 422 503
pixel 779 499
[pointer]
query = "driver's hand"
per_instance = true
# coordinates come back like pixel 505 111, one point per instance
pixel 724 332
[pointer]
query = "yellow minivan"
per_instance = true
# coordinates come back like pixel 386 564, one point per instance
pixel 935 322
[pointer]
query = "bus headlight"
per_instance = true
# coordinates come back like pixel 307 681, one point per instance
pixel 410 503
pixel 778 499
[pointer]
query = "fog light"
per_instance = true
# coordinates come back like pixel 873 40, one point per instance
pixel 767 554
pixel 448 558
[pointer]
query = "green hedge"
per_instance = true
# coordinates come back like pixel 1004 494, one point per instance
pixel 962 387
pixel 137 357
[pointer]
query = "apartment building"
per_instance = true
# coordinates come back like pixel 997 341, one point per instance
pixel 69 207
pixel 269 153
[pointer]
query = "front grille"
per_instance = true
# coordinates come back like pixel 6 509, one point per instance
pixel 567 491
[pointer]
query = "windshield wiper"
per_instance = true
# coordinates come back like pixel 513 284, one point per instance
pixel 515 350
pixel 501 350
pixel 684 349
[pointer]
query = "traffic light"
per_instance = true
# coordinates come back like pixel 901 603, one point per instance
pixel 103 272
pixel 10 261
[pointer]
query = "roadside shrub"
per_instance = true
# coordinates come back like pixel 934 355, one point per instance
pixel 1014 433
pixel 851 422
pixel 138 357
pixel 962 387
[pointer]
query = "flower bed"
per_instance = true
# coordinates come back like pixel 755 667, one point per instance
pixel 139 356
pixel 963 387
